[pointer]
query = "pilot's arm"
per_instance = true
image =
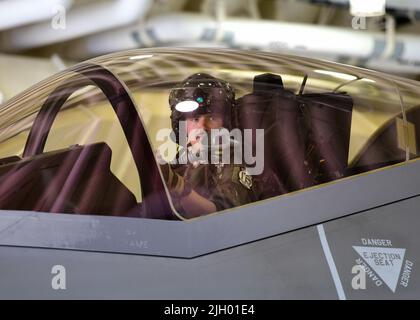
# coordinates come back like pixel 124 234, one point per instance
pixel 193 203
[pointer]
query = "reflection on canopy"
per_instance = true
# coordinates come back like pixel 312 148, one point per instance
pixel 321 122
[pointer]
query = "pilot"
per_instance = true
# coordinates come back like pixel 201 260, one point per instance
pixel 202 187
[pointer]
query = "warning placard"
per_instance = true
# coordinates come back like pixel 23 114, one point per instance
pixel 386 262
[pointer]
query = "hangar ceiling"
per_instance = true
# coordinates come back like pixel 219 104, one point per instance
pixel 39 37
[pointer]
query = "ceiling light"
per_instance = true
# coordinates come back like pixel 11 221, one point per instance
pixel 339 75
pixel 368 80
pixel 143 56
pixel 367 8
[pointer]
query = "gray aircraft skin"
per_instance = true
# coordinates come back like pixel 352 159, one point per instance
pixel 355 237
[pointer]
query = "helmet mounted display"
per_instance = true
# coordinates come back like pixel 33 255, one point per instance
pixel 201 94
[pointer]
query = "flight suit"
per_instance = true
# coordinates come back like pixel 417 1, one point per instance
pixel 227 185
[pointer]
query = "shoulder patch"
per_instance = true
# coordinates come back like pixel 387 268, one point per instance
pixel 245 179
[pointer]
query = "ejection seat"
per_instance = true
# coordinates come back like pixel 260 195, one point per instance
pixel 306 136
pixel 73 180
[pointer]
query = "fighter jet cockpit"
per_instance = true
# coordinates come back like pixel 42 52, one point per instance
pixel 187 133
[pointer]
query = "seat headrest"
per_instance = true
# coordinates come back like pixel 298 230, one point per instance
pixel 267 82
